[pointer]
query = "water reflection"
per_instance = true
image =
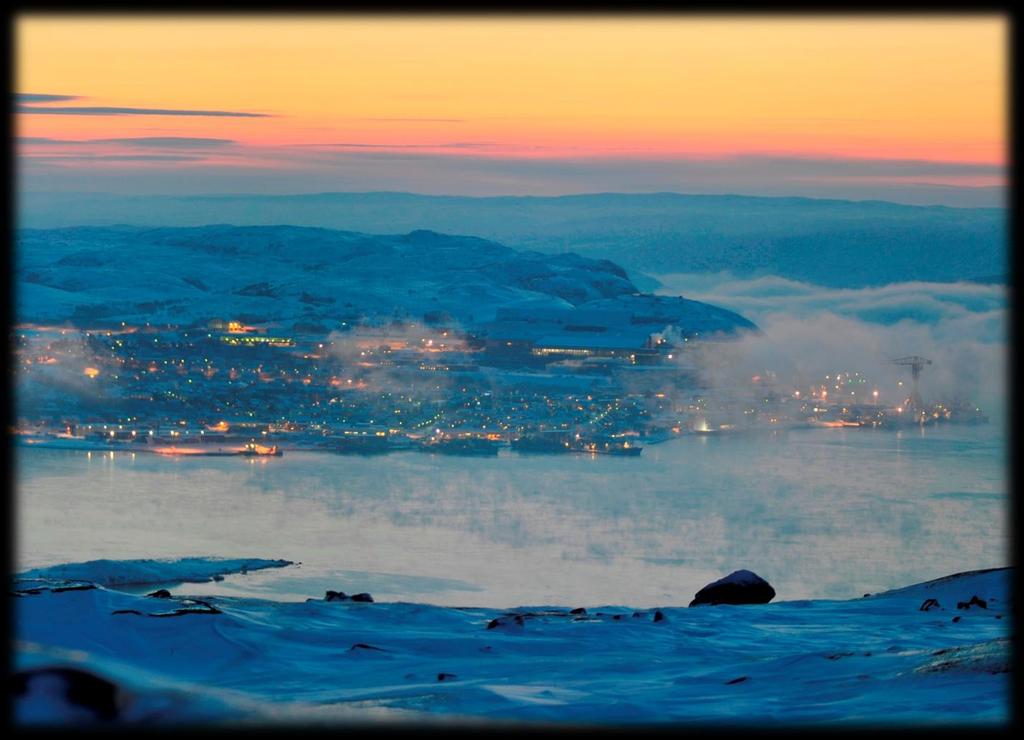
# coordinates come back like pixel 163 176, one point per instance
pixel 819 513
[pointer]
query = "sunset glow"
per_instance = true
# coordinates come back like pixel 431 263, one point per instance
pixel 296 94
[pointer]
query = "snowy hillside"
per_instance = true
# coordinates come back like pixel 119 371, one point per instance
pixel 287 274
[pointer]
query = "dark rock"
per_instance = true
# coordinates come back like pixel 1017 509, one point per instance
pixel 162 593
pixel 364 646
pixel 975 601
pixel 206 609
pixel 506 621
pixel 578 610
pixel 81 689
pixel 217 577
pixel 867 596
pixel 335 596
pixel 956 619
pixel 741 679
pixel 534 615
pixel 658 616
pixel 739 587
pixel 365 598
pixel 127 611
pixel 929 604
pixel 446 676
pixel 189 606
pixel 74 587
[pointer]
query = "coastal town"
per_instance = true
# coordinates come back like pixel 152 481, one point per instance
pixel 527 383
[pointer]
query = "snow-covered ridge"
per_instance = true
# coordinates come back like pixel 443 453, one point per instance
pixel 863 661
pixel 823 241
pixel 142 572
pixel 996 582
pixel 312 276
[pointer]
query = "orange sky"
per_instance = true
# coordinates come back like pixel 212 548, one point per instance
pixel 890 88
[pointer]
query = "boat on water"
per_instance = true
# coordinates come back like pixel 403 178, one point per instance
pixel 360 439
pixel 194 452
pixel 252 449
pixel 559 442
pixel 609 447
pixel 476 446
pixel 549 442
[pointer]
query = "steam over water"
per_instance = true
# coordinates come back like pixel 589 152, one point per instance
pixel 809 331
pixel 817 512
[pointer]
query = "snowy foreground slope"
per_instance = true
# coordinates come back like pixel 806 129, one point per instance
pixel 875 660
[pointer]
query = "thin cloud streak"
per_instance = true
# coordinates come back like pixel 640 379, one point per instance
pixel 119 111
pixel 165 142
pixel 51 158
pixel 44 98
pixel 161 142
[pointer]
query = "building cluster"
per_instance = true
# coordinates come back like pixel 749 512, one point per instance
pixel 541 381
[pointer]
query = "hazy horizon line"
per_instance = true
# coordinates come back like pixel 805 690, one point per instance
pixel 577 194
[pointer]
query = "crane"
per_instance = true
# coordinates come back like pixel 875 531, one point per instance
pixel 916 363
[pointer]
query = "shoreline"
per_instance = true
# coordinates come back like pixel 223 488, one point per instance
pixel 43 442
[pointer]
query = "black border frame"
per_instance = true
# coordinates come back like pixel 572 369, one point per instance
pixel 526 7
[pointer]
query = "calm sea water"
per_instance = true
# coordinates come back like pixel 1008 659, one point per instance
pixel 822 513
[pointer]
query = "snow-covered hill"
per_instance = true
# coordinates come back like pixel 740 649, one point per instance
pixel 90 275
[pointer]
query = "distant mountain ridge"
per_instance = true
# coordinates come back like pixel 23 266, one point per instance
pixel 834 243
pixel 310 276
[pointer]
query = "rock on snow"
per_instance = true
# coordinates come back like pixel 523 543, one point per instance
pixel 739 587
